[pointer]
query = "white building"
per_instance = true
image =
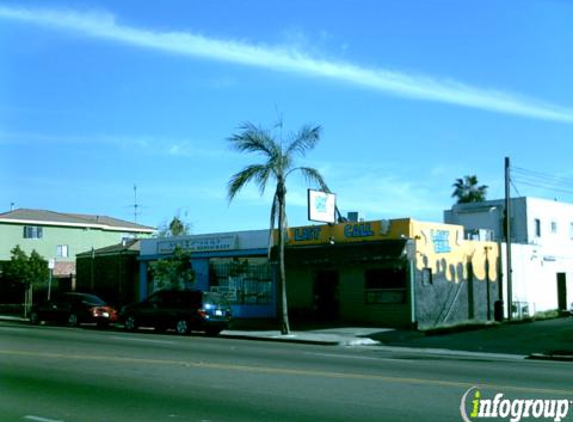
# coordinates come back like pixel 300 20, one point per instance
pixel 542 248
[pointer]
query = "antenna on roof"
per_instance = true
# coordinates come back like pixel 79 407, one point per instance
pixel 135 204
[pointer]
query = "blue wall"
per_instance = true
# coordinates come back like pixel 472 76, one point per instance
pixel 200 264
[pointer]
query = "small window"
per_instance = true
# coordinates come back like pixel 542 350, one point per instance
pixel 385 285
pixel 554 227
pixel 537 227
pixel 33 232
pixel 62 251
pixel 427 279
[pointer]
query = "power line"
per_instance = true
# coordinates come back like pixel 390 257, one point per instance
pixel 515 188
pixel 541 180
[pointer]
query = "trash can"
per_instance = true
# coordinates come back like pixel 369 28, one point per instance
pixel 498 310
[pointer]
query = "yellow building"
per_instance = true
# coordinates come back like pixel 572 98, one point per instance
pixel 394 273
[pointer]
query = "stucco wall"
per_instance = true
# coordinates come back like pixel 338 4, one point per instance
pixel 456 280
pixel 78 240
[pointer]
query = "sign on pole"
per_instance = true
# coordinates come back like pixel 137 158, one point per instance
pixel 321 206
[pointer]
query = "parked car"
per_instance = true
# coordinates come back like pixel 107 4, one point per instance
pixel 73 308
pixel 182 310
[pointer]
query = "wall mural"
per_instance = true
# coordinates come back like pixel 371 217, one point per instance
pixel 443 249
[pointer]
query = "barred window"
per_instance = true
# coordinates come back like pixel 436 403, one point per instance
pixel 385 285
pixel 243 281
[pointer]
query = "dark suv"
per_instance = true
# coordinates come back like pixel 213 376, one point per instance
pixel 183 310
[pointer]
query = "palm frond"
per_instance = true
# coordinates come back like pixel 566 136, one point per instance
pixel 467 190
pixel 312 175
pixel 305 140
pixel 258 173
pixel 254 139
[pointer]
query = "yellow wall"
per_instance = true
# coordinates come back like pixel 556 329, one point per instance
pixel 454 292
pixel 349 232
pixel 442 248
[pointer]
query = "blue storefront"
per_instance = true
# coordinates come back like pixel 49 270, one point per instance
pixel 233 264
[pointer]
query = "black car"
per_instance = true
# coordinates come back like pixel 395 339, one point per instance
pixel 182 310
pixel 74 308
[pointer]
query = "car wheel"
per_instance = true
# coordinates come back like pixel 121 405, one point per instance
pixel 72 320
pixel 182 326
pixel 34 318
pixel 130 323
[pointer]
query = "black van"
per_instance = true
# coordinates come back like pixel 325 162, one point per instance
pixel 182 310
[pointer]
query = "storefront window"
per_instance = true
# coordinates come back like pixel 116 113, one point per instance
pixel 243 281
pixel 385 285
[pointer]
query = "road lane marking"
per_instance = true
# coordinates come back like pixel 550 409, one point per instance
pixel 142 340
pixel 40 419
pixel 284 371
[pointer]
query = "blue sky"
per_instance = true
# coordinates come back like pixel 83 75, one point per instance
pixel 96 96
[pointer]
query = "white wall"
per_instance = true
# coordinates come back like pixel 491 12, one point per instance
pixel 534 277
pixel 536 260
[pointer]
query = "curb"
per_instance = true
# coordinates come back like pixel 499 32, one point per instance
pixel 279 340
pixel 13 318
pixel 350 341
pixel 551 356
pixel 453 353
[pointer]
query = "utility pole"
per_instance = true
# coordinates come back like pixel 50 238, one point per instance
pixel 508 239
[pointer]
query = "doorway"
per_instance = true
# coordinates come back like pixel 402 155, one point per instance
pixel 562 291
pixel 326 300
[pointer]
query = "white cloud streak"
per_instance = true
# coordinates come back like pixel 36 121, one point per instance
pixel 416 87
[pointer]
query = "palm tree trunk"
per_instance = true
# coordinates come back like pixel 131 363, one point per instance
pixel 281 193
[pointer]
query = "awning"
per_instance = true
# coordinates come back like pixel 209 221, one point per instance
pixel 384 250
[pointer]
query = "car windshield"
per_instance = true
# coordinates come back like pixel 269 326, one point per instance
pixel 92 300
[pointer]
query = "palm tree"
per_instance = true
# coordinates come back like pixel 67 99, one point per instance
pixel 277 165
pixel 467 191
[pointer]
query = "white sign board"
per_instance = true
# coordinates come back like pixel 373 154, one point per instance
pixel 198 244
pixel 321 206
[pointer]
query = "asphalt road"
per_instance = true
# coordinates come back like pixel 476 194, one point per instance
pixel 80 375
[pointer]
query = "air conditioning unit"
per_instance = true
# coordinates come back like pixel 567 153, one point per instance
pixel 355 216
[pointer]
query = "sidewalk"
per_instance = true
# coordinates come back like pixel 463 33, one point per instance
pixel 549 339
pixel 344 336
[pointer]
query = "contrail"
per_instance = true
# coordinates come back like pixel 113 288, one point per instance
pixel 415 87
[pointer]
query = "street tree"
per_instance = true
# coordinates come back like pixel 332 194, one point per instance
pixel 173 272
pixel 467 190
pixel 278 164
pixel 22 272
pixel 25 269
pixel 177 227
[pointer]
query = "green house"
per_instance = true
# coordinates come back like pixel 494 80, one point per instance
pixel 59 237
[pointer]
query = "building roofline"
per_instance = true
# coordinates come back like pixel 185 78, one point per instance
pixel 56 219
